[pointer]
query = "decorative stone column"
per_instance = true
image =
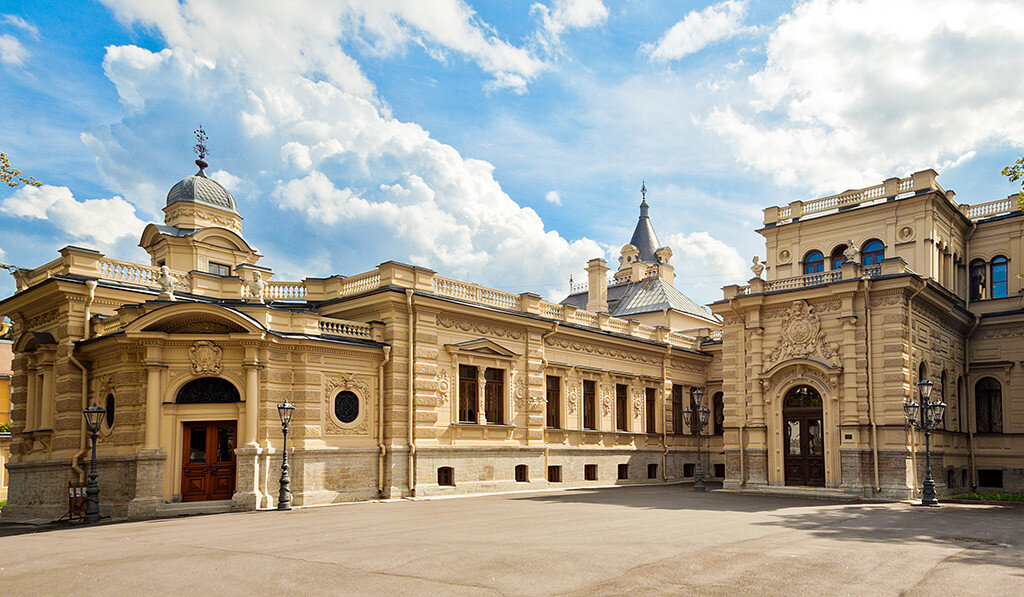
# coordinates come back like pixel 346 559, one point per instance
pixel 481 385
pixel 252 403
pixel 154 379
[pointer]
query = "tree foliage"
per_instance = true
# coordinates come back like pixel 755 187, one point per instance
pixel 12 177
pixel 1015 172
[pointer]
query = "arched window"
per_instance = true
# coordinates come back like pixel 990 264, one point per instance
pixel 207 390
pixel 961 411
pixel 718 411
pixel 872 253
pixel 838 257
pixel 109 406
pixel 814 263
pixel 978 283
pixel 922 372
pixel 803 397
pixel 999 277
pixel 988 404
pixel 944 394
pixel 346 406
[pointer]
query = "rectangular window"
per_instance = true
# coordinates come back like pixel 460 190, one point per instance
pixel 522 473
pixel 494 395
pixel 718 412
pixel 991 478
pixel 719 470
pixel 218 269
pixel 554 402
pixel 677 409
pixel 446 476
pixel 652 410
pixel 555 474
pixel 623 472
pixel 589 404
pixel 467 394
pixel 621 407
pixel 652 471
pixel 688 469
pixel 590 472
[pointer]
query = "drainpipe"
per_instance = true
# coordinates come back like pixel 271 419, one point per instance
pixel 910 351
pixel 412 393
pixel 664 430
pixel 967 385
pixel 380 422
pixel 871 394
pixel 90 287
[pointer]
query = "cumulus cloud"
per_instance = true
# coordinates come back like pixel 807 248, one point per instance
pixel 104 221
pixel 12 52
pixel 553 197
pixel 566 14
pixel 699 29
pixel 700 255
pixel 851 95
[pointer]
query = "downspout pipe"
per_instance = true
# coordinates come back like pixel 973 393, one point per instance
pixel 90 287
pixel 412 392
pixel 664 429
pixel 380 422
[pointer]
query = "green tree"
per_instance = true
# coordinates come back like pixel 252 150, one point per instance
pixel 12 177
pixel 1015 173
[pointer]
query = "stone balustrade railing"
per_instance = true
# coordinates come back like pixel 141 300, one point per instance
pixel 331 326
pixel 992 208
pixel 475 293
pixel 849 271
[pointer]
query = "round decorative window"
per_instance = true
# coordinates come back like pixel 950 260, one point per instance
pixel 346 406
pixel 109 406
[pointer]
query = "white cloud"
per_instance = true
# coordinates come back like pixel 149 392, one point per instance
pixel 12 52
pixel 104 221
pixel 20 23
pixel 699 255
pixel 565 14
pixel 553 197
pixel 851 94
pixel 699 29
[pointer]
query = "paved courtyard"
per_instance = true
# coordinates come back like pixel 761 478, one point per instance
pixel 584 542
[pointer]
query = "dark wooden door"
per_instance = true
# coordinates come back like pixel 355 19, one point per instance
pixel 208 470
pixel 805 447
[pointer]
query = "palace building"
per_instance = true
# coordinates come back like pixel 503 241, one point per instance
pixel 408 383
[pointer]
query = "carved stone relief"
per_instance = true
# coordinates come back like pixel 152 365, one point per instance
pixel 206 357
pixel 578 346
pixel 444 385
pixel 356 385
pixel 479 327
pixel 802 338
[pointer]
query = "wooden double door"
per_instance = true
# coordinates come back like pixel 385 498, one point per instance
pixel 804 437
pixel 208 465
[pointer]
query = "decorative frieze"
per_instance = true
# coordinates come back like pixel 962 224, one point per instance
pixel 479 327
pixel 801 337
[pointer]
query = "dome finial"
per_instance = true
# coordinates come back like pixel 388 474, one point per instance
pixel 201 149
pixel 643 203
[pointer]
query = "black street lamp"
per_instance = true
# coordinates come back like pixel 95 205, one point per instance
pixel 284 497
pixel 93 418
pixel 926 415
pixel 703 414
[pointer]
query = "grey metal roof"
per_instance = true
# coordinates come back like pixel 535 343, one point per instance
pixel 643 237
pixel 201 189
pixel 647 296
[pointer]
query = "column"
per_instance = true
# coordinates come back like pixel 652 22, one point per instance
pixel 46 410
pixel 252 403
pixel 31 399
pixel 153 387
pixel 481 384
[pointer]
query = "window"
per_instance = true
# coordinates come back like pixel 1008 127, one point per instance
pixel 652 410
pixel 992 478
pixel 468 388
pixel 446 476
pixel 494 395
pixel 979 283
pixel 621 406
pixel 961 410
pixel 554 402
pixel 694 413
pixel 999 277
pixel 677 409
pixel 346 406
pixel 988 403
pixel 590 472
pixel 589 404
pixel 218 269
pixel 522 473
pixel 688 469
pixel 554 474
pixel 207 390
pixel 652 471
pixel 872 253
pixel 109 406
pixel 814 263
pixel 838 257
pixel 623 472
pixel 944 394
pixel 719 470
pixel 718 412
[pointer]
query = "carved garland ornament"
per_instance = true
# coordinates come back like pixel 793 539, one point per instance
pixel 602 350
pixel 802 338
pixel 485 329
pixel 606 400
pixel 572 393
pixel 444 386
pixel 206 357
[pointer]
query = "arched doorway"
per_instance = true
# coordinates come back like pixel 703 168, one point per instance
pixel 208 461
pixel 804 437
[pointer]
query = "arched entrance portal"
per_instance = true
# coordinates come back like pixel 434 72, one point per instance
pixel 208 462
pixel 804 437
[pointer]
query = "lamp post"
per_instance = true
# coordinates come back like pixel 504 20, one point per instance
pixel 284 497
pixel 703 413
pixel 926 415
pixel 93 418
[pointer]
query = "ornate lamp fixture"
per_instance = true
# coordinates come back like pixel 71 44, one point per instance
pixel 284 496
pixel 703 413
pixel 93 419
pixel 926 415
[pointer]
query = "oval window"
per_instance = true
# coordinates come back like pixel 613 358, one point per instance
pixel 110 410
pixel 346 406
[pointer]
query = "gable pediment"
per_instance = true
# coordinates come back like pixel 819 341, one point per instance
pixel 481 347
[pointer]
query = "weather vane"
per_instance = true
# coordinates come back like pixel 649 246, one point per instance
pixel 200 147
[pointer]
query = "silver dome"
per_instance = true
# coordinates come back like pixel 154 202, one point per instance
pixel 201 189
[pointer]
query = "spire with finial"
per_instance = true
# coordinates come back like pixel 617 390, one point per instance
pixel 201 150
pixel 643 202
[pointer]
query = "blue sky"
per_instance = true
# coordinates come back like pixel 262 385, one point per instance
pixel 500 142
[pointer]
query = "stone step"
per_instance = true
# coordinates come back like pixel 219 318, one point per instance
pixel 172 509
pixel 827 493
